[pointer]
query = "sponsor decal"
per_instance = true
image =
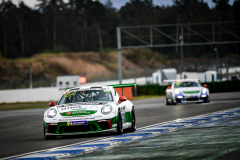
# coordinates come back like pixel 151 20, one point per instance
pixel 80 112
pixel 190 92
pixel 75 119
pixel 93 103
pixel 73 108
pixel 79 109
pixel 76 112
pixel 72 123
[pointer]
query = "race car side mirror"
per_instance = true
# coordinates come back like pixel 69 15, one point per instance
pixel 169 87
pixel 52 103
pixel 121 99
pixel 205 85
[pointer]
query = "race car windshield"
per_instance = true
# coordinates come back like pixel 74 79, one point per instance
pixel 187 84
pixel 86 96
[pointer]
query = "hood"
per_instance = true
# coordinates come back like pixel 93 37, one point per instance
pixel 191 90
pixel 77 109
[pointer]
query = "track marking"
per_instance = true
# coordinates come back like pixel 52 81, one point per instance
pixel 141 133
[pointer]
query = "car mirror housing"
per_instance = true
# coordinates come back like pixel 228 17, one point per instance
pixel 52 103
pixel 121 99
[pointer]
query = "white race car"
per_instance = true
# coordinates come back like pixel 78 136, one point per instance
pixel 92 109
pixel 186 90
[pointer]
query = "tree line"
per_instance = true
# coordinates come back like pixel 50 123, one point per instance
pixel 86 25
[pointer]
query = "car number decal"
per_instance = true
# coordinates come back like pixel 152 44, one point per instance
pixel 72 123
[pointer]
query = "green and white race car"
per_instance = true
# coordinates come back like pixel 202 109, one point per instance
pixel 92 109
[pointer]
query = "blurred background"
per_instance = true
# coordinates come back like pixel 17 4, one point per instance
pixel 43 39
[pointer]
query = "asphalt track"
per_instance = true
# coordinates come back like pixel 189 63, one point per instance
pixel 22 132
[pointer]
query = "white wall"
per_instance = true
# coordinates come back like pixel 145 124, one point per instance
pixel 30 95
pixel 170 73
pixel 52 93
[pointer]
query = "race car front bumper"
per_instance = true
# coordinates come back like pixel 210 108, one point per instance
pixel 65 128
pixel 190 99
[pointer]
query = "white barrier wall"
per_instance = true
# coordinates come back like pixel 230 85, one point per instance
pixel 30 95
pixel 52 93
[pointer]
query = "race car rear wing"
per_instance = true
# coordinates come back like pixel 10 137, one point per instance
pixel 168 81
pixel 123 85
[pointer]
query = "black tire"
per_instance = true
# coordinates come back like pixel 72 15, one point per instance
pixel 166 101
pixel 208 101
pixel 133 127
pixel 119 124
pixel 48 136
pixel 174 103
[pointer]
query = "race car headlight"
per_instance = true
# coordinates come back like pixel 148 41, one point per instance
pixel 204 90
pixel 177 91
pixel 51 113
pixel 106 109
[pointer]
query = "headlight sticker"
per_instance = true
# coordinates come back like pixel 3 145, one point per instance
pixel 51 113
pixel 106 109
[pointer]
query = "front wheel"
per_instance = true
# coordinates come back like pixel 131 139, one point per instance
pixel 133 126
pixel 174 103
pixel 119 123
pixel 208 101
pixel 166 101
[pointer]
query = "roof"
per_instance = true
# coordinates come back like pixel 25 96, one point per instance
pixel 183 80
pixel 101 86
pixel 180 80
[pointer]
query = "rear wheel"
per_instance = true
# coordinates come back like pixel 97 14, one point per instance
pixel 119 123
pixel 133 127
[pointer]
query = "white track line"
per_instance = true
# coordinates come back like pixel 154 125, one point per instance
pixel 112 137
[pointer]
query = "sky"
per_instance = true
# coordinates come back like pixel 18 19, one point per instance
pixel 119 3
